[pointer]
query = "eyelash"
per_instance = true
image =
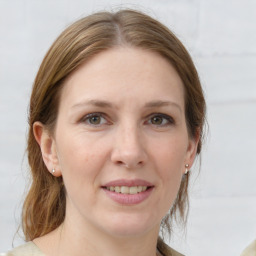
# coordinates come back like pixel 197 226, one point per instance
pixel 169 120
pixel 87 118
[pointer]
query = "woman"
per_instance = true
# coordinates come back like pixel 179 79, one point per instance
pixel 116 121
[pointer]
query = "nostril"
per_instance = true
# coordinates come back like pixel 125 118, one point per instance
pixel 129 165
pixel 126 165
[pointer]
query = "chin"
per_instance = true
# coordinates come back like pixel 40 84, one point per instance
pixel 126 232
pixel 129 226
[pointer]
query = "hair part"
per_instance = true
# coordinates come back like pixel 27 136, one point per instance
pixel 44 206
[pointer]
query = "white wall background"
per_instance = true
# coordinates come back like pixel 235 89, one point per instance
pixel 221 36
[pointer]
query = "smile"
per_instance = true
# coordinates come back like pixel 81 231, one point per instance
pixel 127 190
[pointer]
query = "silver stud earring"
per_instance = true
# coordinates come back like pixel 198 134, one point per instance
pixel 187 170
pixel 53 171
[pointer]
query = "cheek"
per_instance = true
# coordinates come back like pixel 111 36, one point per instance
pixel 171 176
pixel 80 167
pixel 81 164
pixel 170 170
pixel 78 151
pixel 170 155
pixel 169 160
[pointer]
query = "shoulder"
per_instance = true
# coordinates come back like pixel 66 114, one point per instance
pixel 27 249
pixel 165 250
pixel 172 252
pixel 250 250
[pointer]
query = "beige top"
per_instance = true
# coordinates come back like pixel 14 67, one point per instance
pixel 30 249
pixel 27 249
pixel 250 250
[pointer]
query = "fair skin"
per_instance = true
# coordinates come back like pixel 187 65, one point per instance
pixel 121 122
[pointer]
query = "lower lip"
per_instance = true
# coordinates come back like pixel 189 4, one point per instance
pixel 128 199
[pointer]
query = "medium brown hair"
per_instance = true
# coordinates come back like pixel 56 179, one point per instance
pixel 44 206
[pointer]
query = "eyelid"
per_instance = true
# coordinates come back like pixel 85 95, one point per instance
pixel 86 117
pixel 169 118
pixel 89 115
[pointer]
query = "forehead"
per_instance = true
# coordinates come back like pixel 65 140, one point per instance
pixel 125 73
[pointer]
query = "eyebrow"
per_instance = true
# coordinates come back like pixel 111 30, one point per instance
pixel 97 103
pixel 107 104
pixel 160 103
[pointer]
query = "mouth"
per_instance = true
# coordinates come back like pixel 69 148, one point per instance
pixel 127 190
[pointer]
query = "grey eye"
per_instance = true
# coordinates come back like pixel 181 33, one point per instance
pixel 95 120
pixel 157 120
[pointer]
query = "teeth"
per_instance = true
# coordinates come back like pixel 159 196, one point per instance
pixel 133 190
pixel 127 190
pixel 118 189
pixel 124 190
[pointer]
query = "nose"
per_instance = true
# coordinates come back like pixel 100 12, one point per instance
pixel 128 148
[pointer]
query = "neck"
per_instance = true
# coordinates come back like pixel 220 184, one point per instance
pixel 69 240
pixel 96 243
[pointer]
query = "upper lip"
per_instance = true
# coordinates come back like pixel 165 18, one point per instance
pixel 128 183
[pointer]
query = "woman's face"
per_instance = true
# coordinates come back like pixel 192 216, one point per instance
pixel 121 141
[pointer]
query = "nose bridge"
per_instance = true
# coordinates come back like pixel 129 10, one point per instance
pixel 130 139
pixel 128 146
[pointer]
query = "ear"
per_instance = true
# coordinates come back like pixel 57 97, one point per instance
pixel 192 149
pixel 48 148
